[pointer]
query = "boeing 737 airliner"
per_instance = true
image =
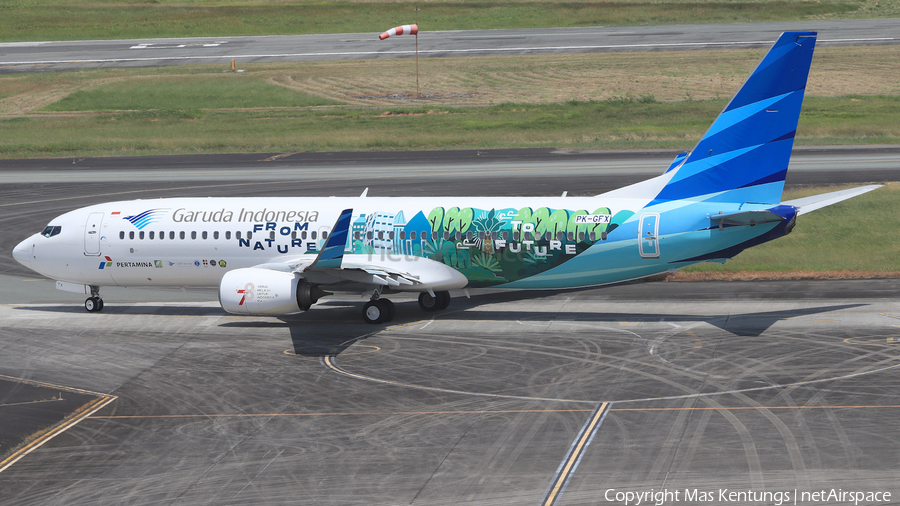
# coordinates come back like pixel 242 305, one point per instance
pixel 277 256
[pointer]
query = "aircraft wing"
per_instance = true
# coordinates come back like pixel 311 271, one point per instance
pixel 399 272
pixel 808 204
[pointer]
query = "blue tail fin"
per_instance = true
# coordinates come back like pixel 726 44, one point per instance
pixel 745 153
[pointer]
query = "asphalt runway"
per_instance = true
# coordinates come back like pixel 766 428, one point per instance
pixel 565 397
pixel 56 56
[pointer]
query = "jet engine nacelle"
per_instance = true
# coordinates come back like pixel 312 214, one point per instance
pixel 258 291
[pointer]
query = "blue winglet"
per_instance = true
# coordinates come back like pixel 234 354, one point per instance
pixel 745 153
pixel 332 253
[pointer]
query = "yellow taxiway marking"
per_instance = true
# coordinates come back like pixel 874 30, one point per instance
pixel 890 340
pixel 577 450
pixel 476 412
pixel 745 408
pixel 70 421
pixel 351 413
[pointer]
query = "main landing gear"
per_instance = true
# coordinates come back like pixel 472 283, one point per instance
pixel 439 301
pixel 380 310
pixel 94 304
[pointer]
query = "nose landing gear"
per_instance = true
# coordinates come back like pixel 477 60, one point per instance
pixel 94 303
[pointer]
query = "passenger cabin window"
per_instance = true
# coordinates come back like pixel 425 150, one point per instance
pixel 237 235
pixel 181 234
pixel 131 235
pixel 193 235
pixel 216 234
pixel 204 234
pixel 141 235
pixel 171 235
pixel 150 236
pixel 228 234
pixel 412 235
pixel 121 235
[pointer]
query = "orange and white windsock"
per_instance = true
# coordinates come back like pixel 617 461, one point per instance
pixel 400 30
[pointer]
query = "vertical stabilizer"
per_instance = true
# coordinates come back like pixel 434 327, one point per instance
pixel 744 155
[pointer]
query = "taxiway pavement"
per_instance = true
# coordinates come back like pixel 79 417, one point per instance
pixel 506 398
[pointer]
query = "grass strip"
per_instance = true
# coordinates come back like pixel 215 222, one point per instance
pixel 852 239
pixel 115 19
pixel 611 124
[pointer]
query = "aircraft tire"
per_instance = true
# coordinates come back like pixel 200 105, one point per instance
pixel 374 311
pixel 428 303
pixel 443 299
pixel 93 304
pixel 389 309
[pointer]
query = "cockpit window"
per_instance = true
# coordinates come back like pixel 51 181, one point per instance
pixel 51 231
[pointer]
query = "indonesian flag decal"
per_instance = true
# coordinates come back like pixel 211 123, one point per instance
pixel 400 30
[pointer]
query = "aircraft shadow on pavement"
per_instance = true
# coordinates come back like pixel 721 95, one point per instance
pixel 313 337
pixel 744 325
pixel 124 308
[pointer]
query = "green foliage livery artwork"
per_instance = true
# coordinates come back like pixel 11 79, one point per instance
pixel 489 247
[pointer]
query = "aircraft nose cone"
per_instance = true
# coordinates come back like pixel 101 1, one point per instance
pixel 22 252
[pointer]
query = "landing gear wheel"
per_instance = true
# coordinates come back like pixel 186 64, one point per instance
pixel 429 303
pixel 378 311
pixel 443 299
pixel 390 310
pixel 93 304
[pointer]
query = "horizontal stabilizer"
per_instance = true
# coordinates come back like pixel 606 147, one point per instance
pixel 809 204
pixel 750 218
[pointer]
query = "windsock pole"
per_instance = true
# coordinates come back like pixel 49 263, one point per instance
pixel 417 50
pixel 417 63
pixel 406 30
